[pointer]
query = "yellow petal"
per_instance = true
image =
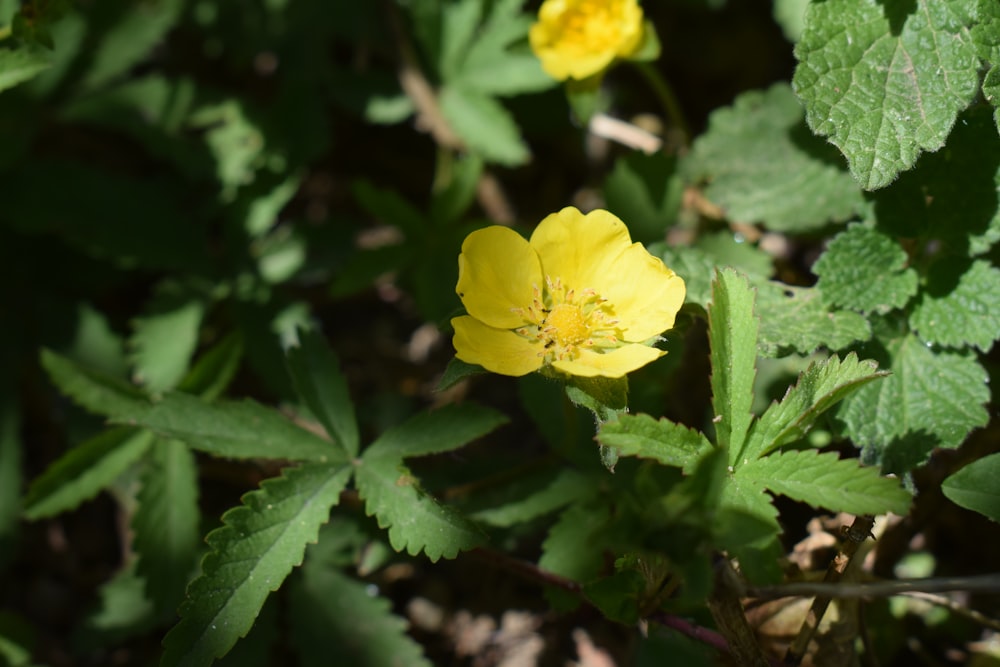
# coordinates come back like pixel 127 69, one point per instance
pixel 580 249
pixel 632 27
pixel 497 272
pixel 613 364
pixel 496 350
pixel 646 295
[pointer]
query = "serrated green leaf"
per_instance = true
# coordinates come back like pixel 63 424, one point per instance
pixel 438 431
pixel 260 543
pixel 865 270
pixel 791 16
pixel 561 489
pixel 886 82
pixel 92 390
pixel 20 65
pixel 660 439
pixel 165 337
pixel 315 370
pixel 214 370
pixel 746 525
pixel 646 190
pixel 415 520
pixel 84 471
pixel 166 523
pixel 694 266
pixel 960 305
pixel 975 487
pixel 795 318
pixel 335 620
pixel 484 125
pixel 937 393
pixel 255 650
pixel 763 165
pixel 492 67
pixel 818 389
pixel 245 429
pixel 732 334
pixel 123 611
pixel 728 249
pixel 930 201
pixel 828 482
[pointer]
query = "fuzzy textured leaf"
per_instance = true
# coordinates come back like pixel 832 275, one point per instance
pixel 818 389
pixel 886 81
pixel 936 393
pixel 795 318
pixel 828 482
pixel 244 429
pixel 732 334
pixel 336 621
pixel 84 471
pixel 865 270
pixel 416 521
pixel 662 440
pixel 960 305
pixel 260 543
pixel 315 370
pixel 166 523
pixel 975 487
pixel 763 165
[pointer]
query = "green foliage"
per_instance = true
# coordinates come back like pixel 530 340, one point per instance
pixel 763 166
pixel 251 554
pixel 192 192
pixel 974 487
pixel 880 113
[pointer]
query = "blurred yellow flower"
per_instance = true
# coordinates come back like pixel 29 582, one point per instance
pixel 576 39
pixel 579 296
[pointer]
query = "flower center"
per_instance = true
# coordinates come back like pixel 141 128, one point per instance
pixel 569 326
pixel 566 321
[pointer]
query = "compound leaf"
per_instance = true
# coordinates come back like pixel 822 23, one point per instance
pixel 662 440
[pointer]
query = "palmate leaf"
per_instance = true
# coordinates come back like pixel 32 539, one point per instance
pixel 886 81
pixel 260 543
pixel 84 471
pixel 826 481
pixel 732 334
pixel 975 487
pixel 416 521
pixel 244 429
pixel 818 389
pixel 318 379
pixel 335 621
pixel 166 523
pixel 662 440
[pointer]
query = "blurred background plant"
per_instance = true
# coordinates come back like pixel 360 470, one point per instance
pixel 230 233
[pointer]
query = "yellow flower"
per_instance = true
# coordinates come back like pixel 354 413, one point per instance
pixel 580 38
pixel 579 296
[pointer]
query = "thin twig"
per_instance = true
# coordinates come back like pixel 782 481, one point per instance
pixel 955 607
pixel 624 133
pixel 987 583
pixel 859 531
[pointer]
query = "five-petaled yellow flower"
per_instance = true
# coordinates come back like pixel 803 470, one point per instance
pixel 576 39
pixel 579 296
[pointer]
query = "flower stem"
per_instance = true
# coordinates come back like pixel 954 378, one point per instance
pixel 668 100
